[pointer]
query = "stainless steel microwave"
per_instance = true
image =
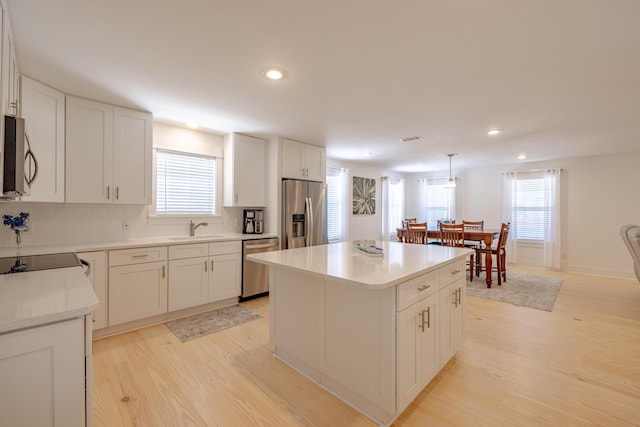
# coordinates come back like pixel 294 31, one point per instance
pixel 20 167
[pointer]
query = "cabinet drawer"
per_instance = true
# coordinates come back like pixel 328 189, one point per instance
pixel 416 289
pixel 220 248
pixel 137 255
pixel 188 251
pixel 452 272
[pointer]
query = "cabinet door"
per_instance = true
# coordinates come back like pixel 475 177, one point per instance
pixel 137 291
pixel 98 278
pixel 132 140
pixel 451 319
pixel 225 276
pixel 314 163
pixel 409 354
pixel 42 372
pixel 188 282
pixel 43 110
pixel 244 171
pixel 292 158
pixel 89 151
pixel 430 355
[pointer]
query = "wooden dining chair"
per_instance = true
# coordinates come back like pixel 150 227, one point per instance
pixel 500 252
pixel 417 233
pixel 473 226
pixel 453 235
pixel 407 221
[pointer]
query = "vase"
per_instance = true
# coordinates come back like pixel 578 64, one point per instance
pixel 18 237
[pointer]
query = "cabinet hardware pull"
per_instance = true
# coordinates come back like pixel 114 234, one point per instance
pixel 423 288
pixel 163 271
pixel 421 321
pixel 459 295
pixel 428 310
pixel 140 256
pixel 205 266
pixel 117 193
pixel 236 198
pixel 455 272
pixel 108 192
pixel 211 265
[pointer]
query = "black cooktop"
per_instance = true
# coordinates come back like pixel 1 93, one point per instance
pixel 19 264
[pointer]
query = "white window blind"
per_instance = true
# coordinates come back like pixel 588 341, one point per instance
pixel 531 208
pixel 185 183
pixel 336 203
pixel 435 201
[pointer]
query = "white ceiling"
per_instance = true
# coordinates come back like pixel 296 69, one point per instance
pixel 561 77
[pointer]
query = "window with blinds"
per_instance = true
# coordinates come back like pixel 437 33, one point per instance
pixel 531 209
pixel 185 184
pixel 336 191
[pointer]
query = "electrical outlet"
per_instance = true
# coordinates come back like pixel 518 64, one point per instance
pixel 125 225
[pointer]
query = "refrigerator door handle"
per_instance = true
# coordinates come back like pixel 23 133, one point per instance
pixel 308 224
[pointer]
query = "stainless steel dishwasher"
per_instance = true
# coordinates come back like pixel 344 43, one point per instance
pixel 255 276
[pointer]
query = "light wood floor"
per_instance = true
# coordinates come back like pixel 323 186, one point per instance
pixel 578 365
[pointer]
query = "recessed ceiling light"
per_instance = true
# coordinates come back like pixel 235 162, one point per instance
pixel 494 132
pixel 522 156
pixel 273 73
pixel 191 125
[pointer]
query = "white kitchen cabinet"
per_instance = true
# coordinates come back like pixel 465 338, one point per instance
pixel 12 91
pixel 43 109
pixel 42 371
pixel 302 161
pixel 452 301
pixel 137 283
pixel 98 277
pixel 418 348
pixel 244 171
pixel 108 153
pixel 200 273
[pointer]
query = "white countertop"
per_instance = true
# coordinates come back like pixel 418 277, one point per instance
pixel 124 244
pixel 340 261
pixel 40 297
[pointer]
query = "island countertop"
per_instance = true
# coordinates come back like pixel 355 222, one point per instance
pixel 341 261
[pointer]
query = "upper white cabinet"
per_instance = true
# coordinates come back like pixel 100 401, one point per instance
pixel 43 110
pixel 244 171
pixel 302 161
pixel 108 153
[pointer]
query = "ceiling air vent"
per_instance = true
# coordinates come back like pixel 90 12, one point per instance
pixel 411 138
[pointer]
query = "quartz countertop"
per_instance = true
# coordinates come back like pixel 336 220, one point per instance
pixel 124 244
pixel 39 297
pixel 340 261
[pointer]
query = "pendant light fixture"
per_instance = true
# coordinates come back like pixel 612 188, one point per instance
pixel 452 182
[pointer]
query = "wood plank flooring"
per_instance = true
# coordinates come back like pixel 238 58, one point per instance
pixel 578 365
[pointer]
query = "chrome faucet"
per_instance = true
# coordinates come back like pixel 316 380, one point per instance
pixel 192 227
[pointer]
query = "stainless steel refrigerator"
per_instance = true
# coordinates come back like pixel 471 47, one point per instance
pixel 304 213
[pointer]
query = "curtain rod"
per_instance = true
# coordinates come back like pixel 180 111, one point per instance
pixel 534 170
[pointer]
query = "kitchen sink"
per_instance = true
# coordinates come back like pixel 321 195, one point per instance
pixel 190 238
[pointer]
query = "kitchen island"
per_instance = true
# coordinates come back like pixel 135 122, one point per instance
pixel 372 330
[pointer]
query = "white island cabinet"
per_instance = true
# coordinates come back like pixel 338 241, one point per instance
pixel 371 330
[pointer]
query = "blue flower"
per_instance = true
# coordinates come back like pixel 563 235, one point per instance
pixel 18 222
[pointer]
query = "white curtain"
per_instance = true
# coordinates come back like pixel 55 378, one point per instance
pixel 392 203
pixel 552 254
pixel 508 190
pixel 337 204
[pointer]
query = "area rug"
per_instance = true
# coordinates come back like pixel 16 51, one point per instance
pixel 199 325
pixel 528 290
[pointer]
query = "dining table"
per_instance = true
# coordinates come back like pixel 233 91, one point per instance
pixel 483 236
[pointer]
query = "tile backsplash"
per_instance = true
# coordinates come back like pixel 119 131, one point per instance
pixel 64 224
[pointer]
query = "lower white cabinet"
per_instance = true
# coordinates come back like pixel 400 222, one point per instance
pixel 452 302
pixel 137 283
pixel 42 371
pixel 97 274
pixel 200 273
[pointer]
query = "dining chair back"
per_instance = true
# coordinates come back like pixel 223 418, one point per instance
pixel 417 233
pixel 631 236
pixel 473 226
pixel 407 221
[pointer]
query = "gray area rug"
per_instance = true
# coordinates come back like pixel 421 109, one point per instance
pixel 528 290
pixel 199 325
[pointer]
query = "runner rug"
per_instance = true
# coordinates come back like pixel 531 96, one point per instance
pixel 528 290
pixel 199 325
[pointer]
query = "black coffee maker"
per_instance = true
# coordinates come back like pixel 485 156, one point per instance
pixel 252 221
